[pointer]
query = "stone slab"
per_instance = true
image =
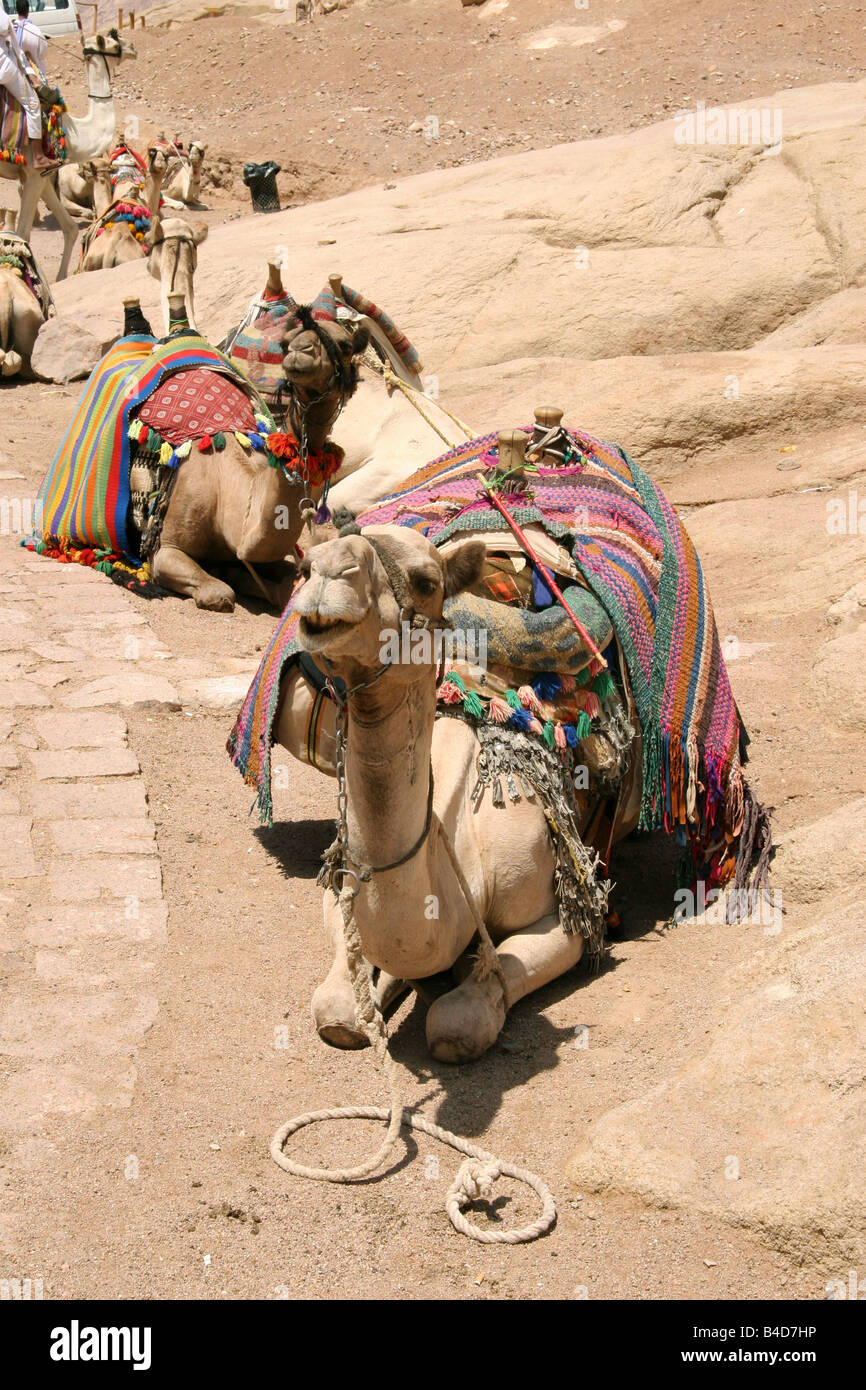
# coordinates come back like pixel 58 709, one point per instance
pixel 22 694
pixel 80 880
pixel 92 730
pixel 76 924
pixel 57 800
pixel 59 764
pixel 89 836
pixel 135 690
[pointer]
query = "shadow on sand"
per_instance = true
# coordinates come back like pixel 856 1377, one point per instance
pixel 297 846
pixel 469 1097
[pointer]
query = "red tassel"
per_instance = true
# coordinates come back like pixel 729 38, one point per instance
pixel 205 443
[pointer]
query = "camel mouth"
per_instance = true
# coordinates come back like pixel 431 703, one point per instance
pixel 316 632
pixel 300 362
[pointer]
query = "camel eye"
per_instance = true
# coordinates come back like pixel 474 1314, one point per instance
pixel 425 585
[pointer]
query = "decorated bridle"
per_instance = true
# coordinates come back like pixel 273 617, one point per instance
pixel 95 52
pixel 345 377
pixel 297 409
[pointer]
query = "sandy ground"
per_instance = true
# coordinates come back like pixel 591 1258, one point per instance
pixel 209 1214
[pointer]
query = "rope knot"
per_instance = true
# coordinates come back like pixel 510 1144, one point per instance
pixel 475 1179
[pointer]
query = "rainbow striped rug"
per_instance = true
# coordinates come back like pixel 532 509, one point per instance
pixel 84 499
pixel 13 129
pixel 636 556
pixel 14 145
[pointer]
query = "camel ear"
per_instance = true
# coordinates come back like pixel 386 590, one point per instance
pixel 463 567
pixel 360 339
pixel 199 233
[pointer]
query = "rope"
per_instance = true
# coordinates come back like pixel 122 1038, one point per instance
pixel 391 379
pixel 476 1175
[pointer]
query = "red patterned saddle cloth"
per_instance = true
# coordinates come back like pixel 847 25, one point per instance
pixel 197 402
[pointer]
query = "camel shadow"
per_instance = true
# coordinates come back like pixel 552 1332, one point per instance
pixel 468 1098
pixel 296 846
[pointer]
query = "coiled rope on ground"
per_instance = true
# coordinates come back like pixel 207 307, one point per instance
pixel 476 1174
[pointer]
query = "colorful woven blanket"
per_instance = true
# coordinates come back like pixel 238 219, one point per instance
pixel 632 550
pixel 256 346
pixel 397 339
pixel 85 495
pixel 13 130
pixel 197 402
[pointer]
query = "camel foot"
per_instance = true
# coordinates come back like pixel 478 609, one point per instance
pixel 216 596
pixel 334 1007
pixel 464 1023
pixel 10 363
pixel 334 1015
pixel 340 1035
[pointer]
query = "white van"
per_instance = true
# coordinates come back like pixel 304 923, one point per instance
pixel 53 17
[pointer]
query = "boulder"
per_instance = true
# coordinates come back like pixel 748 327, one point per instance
pixel 65 351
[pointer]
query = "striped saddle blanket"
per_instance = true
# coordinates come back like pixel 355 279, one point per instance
pixel 84 499
pixel 628 545
pixel 13 130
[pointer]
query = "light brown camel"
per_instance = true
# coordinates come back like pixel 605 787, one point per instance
pixel 21 314
pixel 232 506
pixel 108 244
pixel 86 138
pixel 413 918
pixel 76 185
pixel 173 256
pixel 182 187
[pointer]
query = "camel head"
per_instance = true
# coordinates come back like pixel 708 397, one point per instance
pixel 360 588
pixel 109 46
pixel 196 153
pixel 157 162
pixel 173 244
pixel 320 352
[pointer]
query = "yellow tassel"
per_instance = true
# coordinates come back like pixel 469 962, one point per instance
pixel 165 453
pixel 243 439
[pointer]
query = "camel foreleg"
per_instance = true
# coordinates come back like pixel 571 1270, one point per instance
pixel 464 1023
pixel 333 1003
pixel 173 569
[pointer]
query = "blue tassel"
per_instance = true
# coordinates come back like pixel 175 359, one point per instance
pixel 570 735
pixel 520 719
pixel 547 685
pixel 257 442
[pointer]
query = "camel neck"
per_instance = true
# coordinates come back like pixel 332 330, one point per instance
pixel 88 136
pixel 388 767
pixel 318 419
pixel 98 80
